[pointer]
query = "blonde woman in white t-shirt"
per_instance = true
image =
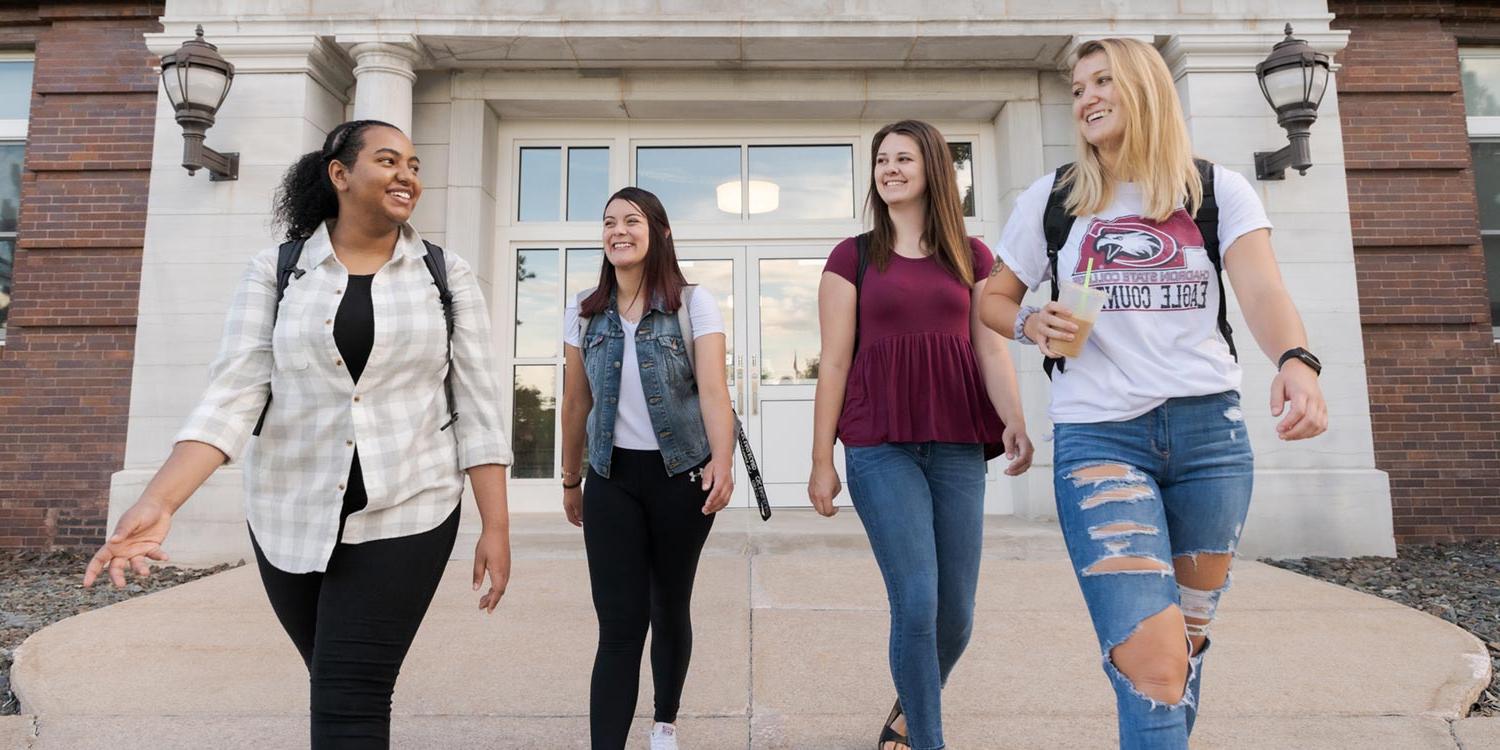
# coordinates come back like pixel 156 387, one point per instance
pixel 1152 466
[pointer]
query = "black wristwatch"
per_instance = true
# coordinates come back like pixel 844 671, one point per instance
pixel 1304 355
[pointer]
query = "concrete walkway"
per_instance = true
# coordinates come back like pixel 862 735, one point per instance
pixel 790 653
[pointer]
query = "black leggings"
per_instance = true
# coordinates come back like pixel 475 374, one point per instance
pixel 354 622
pixel 643 531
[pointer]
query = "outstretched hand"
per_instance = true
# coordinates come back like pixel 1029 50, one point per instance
pixel 137 539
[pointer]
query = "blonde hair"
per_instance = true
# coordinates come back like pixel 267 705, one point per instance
pixel 943 229
pixel 1154 151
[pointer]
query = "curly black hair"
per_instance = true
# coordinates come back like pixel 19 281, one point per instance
pixel 306 197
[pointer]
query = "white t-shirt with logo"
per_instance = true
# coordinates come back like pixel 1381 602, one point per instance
pixel 633 429
pixel 1158 337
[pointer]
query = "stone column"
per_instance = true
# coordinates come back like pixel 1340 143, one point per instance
pixel 1320 496
pixel 384 73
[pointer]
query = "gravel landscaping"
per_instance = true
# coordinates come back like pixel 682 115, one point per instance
pixel 42 588
pixel 1458 582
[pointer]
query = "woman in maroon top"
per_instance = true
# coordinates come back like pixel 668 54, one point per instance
pixel 921 397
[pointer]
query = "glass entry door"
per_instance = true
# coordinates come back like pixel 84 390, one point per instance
pixel 769 300
pixel 783 344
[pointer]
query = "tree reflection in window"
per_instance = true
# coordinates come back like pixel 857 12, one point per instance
pixel 963 164
pixel 534 421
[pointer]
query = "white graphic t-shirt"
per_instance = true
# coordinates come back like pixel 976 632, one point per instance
pixel 1158 337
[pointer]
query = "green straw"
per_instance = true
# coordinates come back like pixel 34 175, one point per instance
pixel 1088 273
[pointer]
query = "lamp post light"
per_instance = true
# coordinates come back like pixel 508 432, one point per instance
pixel 1292 78
pixel 197 79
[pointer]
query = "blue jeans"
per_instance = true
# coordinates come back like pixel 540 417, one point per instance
pixel 1172 483
pixel 922 505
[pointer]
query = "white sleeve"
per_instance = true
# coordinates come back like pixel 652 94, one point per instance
pixel 572 325
pixel 1023 243
pixel 703 309
pixel 1240 209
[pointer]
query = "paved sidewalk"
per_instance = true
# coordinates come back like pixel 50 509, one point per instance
pixel 790 653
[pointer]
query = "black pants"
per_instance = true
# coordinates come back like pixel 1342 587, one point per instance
pixel 354 622
pixel 643 531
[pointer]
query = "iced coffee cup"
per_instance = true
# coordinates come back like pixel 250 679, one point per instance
pixel 1085 303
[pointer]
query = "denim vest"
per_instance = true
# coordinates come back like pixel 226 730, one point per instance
pixel 666 380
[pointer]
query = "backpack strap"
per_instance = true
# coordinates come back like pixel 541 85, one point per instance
pixel 1057 224
pixel 1207 218
pixel 288 254
pixel 862 264
pixel 437 266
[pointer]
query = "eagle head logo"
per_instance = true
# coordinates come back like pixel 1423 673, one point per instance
pixel 1132 243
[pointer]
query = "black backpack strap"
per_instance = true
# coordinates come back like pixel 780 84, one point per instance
pixel 862 264
pixel 1057 223
pixel 437 265
pixel 1207 218
pixel 287 256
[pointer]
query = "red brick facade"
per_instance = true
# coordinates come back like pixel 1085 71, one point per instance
pixel 1434 369
pixel 66 365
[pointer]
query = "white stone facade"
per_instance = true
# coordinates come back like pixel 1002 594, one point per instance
pixel 472 79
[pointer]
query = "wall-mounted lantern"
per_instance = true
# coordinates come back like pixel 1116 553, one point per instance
pixel 1293 79
pixel 197 79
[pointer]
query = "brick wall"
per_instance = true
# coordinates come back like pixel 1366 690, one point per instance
pixel 1434 369
pixel 66 365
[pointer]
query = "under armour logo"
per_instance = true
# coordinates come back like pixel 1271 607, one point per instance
pixel 696 475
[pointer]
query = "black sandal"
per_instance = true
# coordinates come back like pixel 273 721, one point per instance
pixel 887 734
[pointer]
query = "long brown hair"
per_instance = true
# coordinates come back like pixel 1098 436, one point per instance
pixel 943 224
pixel 662 276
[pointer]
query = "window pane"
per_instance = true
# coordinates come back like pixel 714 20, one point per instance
pixel 15 89
pixel 788 334
pixel 1492 271
pixel 687 180
pixel 541 187
pixel 538 311
pixel 588 183
pixel 963 163
pixel 1487 183
pixel 801 182
pixel 534 421
pixel 7 258
pixel 10 185
pixel 1481 77
pixel 583 269
pixel 717 277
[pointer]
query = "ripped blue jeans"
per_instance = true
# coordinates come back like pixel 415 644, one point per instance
pixel 1132 498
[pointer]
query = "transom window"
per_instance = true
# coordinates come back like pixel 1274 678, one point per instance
pixel 562 183
pixel 15 109
pixel 719 183
pixel 1480 69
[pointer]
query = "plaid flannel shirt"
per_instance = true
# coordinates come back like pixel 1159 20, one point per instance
pixel 297 470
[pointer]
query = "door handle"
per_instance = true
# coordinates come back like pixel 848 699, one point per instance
pixel 754 385
pixel 739 393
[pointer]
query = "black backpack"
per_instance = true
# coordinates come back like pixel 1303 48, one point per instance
pixel 862 264
pixel 1057 223
pixel 289 253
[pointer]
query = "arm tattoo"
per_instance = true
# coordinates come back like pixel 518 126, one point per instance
pixel 999 266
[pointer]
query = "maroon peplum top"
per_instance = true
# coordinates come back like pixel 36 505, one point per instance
pixel 915 377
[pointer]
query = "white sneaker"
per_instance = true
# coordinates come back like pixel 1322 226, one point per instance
pixel 663 736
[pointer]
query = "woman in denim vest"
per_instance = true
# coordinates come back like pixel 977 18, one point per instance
pixel 921 394
pixel 660 459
